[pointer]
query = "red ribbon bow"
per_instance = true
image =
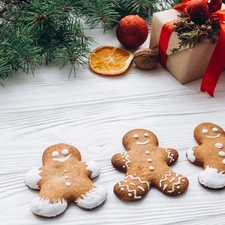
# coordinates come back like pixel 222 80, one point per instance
pixel 217 61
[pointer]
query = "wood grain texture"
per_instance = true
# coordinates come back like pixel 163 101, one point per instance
pixel 93 113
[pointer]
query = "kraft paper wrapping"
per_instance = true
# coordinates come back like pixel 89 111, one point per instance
pixel 188 64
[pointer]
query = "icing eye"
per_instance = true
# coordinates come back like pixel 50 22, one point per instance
pixel 205 131
pixel 215 129
pixel 136 136
pixel 65 151
pixel 55 153
pixel 146 134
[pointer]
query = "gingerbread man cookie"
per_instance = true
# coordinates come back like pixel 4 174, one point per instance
pixel 210 154
pixel 62 179
pixel 146 165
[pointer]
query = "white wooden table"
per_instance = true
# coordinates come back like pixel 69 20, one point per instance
pixel 93 113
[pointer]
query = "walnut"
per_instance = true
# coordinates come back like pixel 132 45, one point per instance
pixel 145 58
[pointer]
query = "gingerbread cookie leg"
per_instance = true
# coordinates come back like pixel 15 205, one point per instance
pixel 211 178
pixel 132 187
pixel 172 183
pixel 95 197
pixel 46 208
pixel 32 178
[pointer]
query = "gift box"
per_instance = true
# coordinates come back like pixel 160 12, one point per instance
pixel 186 64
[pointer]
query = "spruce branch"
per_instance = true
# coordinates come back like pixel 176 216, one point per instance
pixel 37 31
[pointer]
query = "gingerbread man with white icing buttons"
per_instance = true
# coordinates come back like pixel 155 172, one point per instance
pixel 146 165
pixel 62 179
pixel 210 154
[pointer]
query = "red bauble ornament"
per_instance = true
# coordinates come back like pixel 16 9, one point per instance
pixel 197 9
pixel 132 31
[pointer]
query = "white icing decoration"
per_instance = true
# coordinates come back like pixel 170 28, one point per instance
pixel 68 184
pixel 65 151
pixel 126 156
pixel 132 183
pixel 176 183
pixel 169 155
pixel 129 194
pixel 136 136
pixel 219 145
pixel 216 136
pixel 66 177
pixel 204 131
pixel 149 160
pixel 65 171
pixel 62 159
pixel 43 207
pixel 146 134
pixel 190 155
pixel 151 168
pixel 122 189
pixel 147 152
pixel 133 192
pixel 215 129
pixel 222 153
pixel 142 143
pixel 95 197
pixel 165 178
pixel 223 161
pixel 141 188
pixel 211 178
pixel 94 168
pixel 32 178
pixel 55 153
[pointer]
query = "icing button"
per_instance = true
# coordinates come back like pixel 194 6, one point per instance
pixel 223 161
pixel 149 160
pixel 147 152
pixel 68 184
pixel 151 168
pixel 222 153
pixel 219 145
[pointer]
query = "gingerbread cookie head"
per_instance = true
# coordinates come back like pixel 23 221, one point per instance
pixel 139 137
pixel 205 132
pixel 57 154
pixel 210 154
pixel 62 179
pixel 146 165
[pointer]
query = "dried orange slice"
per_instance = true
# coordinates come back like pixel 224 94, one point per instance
pixel 109 60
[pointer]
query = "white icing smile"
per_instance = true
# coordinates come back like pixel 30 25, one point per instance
pixel 142 143
pixel 62 159
pixel 216 136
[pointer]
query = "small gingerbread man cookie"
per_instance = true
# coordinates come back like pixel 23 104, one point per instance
pixel 210 154
pixel 146 165
pixel 62 179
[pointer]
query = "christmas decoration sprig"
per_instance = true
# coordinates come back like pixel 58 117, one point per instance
pixel 36 32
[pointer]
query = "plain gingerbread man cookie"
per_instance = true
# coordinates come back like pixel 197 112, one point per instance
pixel 146 165
pixel 62 179
pixel 210 154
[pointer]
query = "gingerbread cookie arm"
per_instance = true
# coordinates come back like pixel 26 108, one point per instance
pixel 172 155
pixel 131 188
pixel 195 156
pixel 32 178
pixel 94 168
pixel 121 161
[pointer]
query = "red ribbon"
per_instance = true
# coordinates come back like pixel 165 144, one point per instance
pixel 164 38
pixel 217 61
